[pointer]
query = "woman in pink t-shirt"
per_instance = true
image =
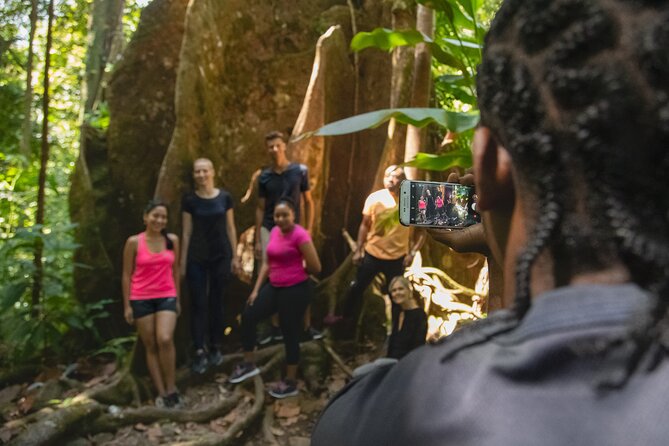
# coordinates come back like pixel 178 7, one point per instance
pixel 291 257
pixel 151 297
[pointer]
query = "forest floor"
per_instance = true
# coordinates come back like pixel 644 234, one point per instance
pixel 286 422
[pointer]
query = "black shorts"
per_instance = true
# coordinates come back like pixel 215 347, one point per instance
pixel 144 307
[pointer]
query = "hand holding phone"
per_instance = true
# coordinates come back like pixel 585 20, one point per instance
pixel 437 205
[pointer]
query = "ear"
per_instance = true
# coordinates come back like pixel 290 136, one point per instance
pixel 492 172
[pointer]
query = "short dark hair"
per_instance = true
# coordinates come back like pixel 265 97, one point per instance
pixel 274 134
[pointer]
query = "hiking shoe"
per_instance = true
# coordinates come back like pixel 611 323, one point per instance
pixel 265 337
pixel 243 371
pixel 332 319
pixel 314 334
pixel 215 357
pixel 160 402
pixel 311 334
pixel 284 389
pixel 277 335
pixel 200 362
pixel 173 401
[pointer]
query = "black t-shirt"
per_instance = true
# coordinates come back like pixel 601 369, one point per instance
pixel 273 186
pixel 209 238
pixel 412 334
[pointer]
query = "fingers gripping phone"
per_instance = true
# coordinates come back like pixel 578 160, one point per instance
pixel 437 205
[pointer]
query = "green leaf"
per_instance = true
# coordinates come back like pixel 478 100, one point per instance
pixel 456 158
pixel 420 117
pixel 386 39
pixel 10 294
pixel 446 57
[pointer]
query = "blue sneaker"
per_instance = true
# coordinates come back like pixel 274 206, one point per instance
pixel 243 371
pixel 284 389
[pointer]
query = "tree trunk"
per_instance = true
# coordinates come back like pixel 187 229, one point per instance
pixel 106 31
pixel 420 94
pixel 39 218
pixel 404 17
pixel 27 129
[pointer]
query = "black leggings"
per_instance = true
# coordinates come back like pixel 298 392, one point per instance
pixel 367 271
pixel 207 301
pixel 291 303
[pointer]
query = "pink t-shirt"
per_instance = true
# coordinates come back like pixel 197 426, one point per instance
pixel 285 258
pixel 153 276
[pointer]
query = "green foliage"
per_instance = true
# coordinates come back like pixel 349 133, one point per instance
pixel 43 330
pixel 456 51
pixel 59 323
pixel 119 347
pixel 419 117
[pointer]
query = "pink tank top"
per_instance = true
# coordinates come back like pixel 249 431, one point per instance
pixel 153 276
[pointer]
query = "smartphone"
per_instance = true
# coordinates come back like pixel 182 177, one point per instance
pixel 437 205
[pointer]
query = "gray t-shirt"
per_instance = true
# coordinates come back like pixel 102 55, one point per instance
pixel 504 383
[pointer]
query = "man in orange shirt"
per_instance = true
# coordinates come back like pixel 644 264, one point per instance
pixel 380 248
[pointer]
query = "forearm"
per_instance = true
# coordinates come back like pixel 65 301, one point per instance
pixel 262 277
pixel 125 283
pixel 309 215
pixel 362 237
pixel 232 237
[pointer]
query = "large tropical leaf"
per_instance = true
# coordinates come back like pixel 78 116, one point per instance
pixel 420 117
pixel 456 158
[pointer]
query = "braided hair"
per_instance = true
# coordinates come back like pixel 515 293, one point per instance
pixel 578 93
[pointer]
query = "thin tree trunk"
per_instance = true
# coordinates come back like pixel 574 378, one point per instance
pixel 27 129
pixel 422 79
pixel 404 17
pixel 39 218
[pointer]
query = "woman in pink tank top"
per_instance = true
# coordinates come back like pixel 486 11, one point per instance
pixel 151 298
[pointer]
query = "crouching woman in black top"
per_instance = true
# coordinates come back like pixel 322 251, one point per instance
pixel 410 328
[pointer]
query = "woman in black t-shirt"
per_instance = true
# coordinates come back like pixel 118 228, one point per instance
pixel 410 327
pixel 208 259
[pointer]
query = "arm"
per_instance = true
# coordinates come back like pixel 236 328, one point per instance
pixel 187 230
pixel 260 212
pixel 308 210
pixel 176 270
pixel 262 276
pixel 129 252
pixel 363 230
pixel 313 263
pixel 418 237
pixel 420 332
pixel 232 237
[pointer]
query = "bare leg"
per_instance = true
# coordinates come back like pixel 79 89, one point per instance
pixel 165 323
pixel 147 332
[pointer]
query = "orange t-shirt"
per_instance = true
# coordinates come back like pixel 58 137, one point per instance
pixel 386 239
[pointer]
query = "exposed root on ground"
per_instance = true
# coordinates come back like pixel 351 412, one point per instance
pixel 101 408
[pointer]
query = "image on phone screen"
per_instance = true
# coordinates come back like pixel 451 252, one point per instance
pixel 432 204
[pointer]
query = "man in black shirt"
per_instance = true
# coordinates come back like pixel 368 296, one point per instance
pixel 282 179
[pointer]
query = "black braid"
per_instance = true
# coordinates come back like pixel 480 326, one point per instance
pixel 578 92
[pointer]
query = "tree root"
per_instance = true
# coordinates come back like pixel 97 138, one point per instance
pixel 87 413
pixel 59 423
pixel 238 427
pixel 150 414
pixel 337 359
pixel 267 422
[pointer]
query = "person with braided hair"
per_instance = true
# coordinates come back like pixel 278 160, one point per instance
pixel 570 163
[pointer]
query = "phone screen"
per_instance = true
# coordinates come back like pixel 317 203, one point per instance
pixel 445 205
